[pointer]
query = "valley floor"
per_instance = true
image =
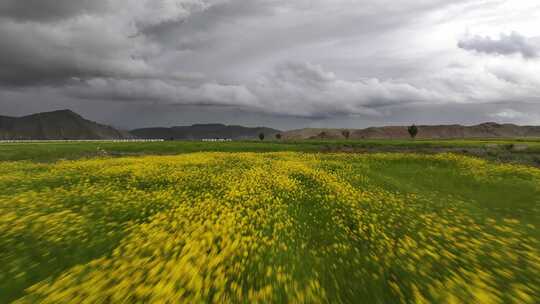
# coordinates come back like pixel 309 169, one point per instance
pixel 524 151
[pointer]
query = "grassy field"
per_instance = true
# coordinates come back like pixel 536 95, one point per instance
pixel 494 149
pixel 281 227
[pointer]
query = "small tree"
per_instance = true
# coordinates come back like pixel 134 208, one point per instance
pixel 261 136
pixel 413 131
pixel 346 134
pixel 278 136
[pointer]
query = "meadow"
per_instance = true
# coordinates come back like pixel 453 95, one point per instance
pixel 225 225
pixel 493 149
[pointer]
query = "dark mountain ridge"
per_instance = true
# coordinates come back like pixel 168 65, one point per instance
pixel 205 131
pixel 55 125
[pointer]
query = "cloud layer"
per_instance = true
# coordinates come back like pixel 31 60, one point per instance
pixel 313 59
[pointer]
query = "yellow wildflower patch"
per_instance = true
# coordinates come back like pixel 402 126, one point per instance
pixel 261 228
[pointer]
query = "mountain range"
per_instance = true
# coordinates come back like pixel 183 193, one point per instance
pixel 66 124
pixel 205 131
pixel 484 130
pixel 56 125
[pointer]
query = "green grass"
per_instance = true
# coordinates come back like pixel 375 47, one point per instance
pixel 54 151
pixel 45 152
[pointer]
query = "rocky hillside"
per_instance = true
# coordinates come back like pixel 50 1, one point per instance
pixel 57 125
pixel 205 131
pixel 485 130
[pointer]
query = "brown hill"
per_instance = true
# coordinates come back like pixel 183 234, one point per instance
pixel 485 130
pixel 57 125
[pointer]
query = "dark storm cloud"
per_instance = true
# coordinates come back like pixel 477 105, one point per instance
pixel 511 44
pixel 37 54
pixel 54 42
pixel 49 10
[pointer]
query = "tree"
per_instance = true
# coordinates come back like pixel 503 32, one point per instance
pixel 346 134
pixel 413 131
pixel 261 136
pixel 278 136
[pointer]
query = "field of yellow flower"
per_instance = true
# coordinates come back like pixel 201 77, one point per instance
pixel 281 227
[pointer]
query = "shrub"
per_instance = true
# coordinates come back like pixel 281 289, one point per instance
pixel 413 131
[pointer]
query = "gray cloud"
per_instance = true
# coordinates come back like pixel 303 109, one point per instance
pixel 509 114
pixel 293 88
pixel 49 10
pixel 513 43
pixel 164 92
pixel 277 58
pixel 50 41
pixel 305 89
pixel 82 45
pixel 37 53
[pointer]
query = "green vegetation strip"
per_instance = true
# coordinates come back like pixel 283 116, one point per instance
pixel 528 149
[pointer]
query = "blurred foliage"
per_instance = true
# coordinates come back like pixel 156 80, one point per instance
pixel 271 227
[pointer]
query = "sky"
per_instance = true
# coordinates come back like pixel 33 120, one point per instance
pixel 280 63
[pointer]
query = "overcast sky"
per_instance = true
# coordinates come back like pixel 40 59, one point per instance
pixel 280 63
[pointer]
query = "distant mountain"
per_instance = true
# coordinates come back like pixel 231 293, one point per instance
pixel 66 124
pixel 485 130
pixel 57 125
pixel 204 131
